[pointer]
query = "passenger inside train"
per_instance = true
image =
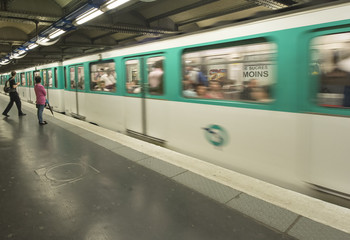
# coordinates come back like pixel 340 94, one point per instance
pixel 226 72
pixel 329 67
pixel 155 78
pixel 103 77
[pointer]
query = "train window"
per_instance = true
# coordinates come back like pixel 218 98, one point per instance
pixel 133 79
pixel 155 75
pixel 81 79
pixel 65 78
pixel 23 79
pixel 330 61
pixel 37 73
pixel 44 80
pixel 240 73
pixel 72 78
pixel 49 77
pixel 103 76
pixel 29 79
pixel 56 77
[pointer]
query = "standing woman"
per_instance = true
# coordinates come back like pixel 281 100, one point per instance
pixel 40 93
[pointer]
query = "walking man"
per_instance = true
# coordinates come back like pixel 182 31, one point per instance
pixel 14 97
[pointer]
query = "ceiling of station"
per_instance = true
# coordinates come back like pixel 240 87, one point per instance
pixel 22 21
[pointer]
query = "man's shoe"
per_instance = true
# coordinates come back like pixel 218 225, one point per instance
pixel 22 114
pixel 43 123
pixel 6 115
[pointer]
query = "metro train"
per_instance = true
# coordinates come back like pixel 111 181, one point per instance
pixel 268 98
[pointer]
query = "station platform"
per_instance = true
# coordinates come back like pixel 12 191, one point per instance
pixel 73 180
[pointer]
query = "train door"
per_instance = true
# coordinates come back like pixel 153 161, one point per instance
pixel 327 131
pixel 145 91
pixel 77 84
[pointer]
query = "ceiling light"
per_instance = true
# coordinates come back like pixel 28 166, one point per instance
pixel 42 40
pixel 5 62
pixel 115 3
pixel 19 54
pixel 56 33
pixel 274 4
pixel 92 13
pixel 32 46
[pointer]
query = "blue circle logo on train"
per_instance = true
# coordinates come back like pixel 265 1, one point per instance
pixel 216 135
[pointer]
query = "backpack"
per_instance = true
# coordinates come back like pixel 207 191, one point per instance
pixel 7 87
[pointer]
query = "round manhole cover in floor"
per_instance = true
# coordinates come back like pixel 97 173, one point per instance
pixel 66 172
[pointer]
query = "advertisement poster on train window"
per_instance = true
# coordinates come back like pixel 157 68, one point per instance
pixel 218 74
pixel 259 67
pixel 261 72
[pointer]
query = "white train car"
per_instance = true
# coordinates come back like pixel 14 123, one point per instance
pixel 50 75
pixel 268 98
